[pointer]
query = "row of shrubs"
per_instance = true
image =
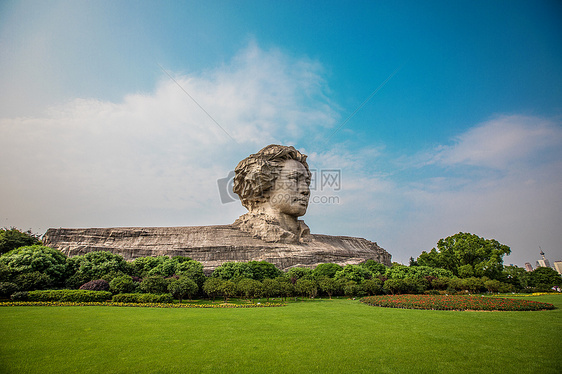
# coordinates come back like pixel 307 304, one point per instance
pixel 39 267
pixel 85 296
pixel 282 286
pixel 168 289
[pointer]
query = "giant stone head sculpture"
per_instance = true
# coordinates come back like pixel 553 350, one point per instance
pixel 275 168
pixel 275 183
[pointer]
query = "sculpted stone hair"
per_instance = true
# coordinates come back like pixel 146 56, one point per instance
pixel 256 174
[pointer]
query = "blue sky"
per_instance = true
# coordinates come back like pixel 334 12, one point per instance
pixel 463 131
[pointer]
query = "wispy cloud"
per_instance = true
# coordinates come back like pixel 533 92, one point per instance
pixel 154 158
pixel 501 142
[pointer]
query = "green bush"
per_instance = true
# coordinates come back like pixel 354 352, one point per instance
pixel 69 295
pixel 33 281
pixel 249 288
pixel 394 286
pixel 233 270
pixel 154 284
pixel 19 296
pixel 354 273
pixel 122 284
pixel 35 258
pixel 182 287
pixel 192 269
pixel 263 270
pixel 306 287
pixel 142 298
pixel 14 238
pixel 326 270
pixel 95 265
pixel 7 288
pixel 374 267
pixel 328 285
pixel 299 273
pixel 372 286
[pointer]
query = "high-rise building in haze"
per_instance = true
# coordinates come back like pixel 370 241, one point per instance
pixel 558 266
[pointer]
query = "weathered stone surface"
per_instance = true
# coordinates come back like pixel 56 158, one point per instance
pixel 213 245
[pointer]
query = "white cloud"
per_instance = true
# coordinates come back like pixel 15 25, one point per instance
pixel 501 179
pixel 154 158
pixel 501 142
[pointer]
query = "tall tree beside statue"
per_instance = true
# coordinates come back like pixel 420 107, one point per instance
pixel 467 255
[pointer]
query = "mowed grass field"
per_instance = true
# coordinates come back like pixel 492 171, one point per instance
pixel 325 336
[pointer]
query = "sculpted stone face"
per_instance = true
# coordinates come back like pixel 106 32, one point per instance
pixel 290 191
pixel 273 185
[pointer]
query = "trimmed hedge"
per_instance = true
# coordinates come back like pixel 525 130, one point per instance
pixel 69 295
pixel 142 298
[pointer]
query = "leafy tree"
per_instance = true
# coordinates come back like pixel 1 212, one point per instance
pixel 171 265
pixel 516 276
pixel 227 289
pixel 212 287
pixel 5 273
pixel 402 272
pixel 122 284
pixel 191 269
pixel 297 273
pixel 143 265
pixel 35 258
pixel 328 285
pixel 34 280
pixel 349 287
pixel 545 278
pixel 286 287
pixel 326 270
pixel 306 287
pixel 233 270
pixel 182 287
pixel 95 265
pixel 440 283
pixel 493 285
pixel 415 285
pixel 271 288
pixel 154 284
pixel 455 284
pixel 372 286
pixel 473 284
pixel 7 289
pixel 250 288
pixel 374 267
pixel 354 273
pixel 484 255
pixel 263 270
pixel 466 271
pixel 394 286
pixel 13 238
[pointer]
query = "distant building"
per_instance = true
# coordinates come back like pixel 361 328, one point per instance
pixel 528 266
pixel 558 266
pixel 544 262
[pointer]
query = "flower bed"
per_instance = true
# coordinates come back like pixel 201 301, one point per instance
pixel 454 302
pixel 141 305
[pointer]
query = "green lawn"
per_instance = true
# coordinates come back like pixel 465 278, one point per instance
pixel 328 336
